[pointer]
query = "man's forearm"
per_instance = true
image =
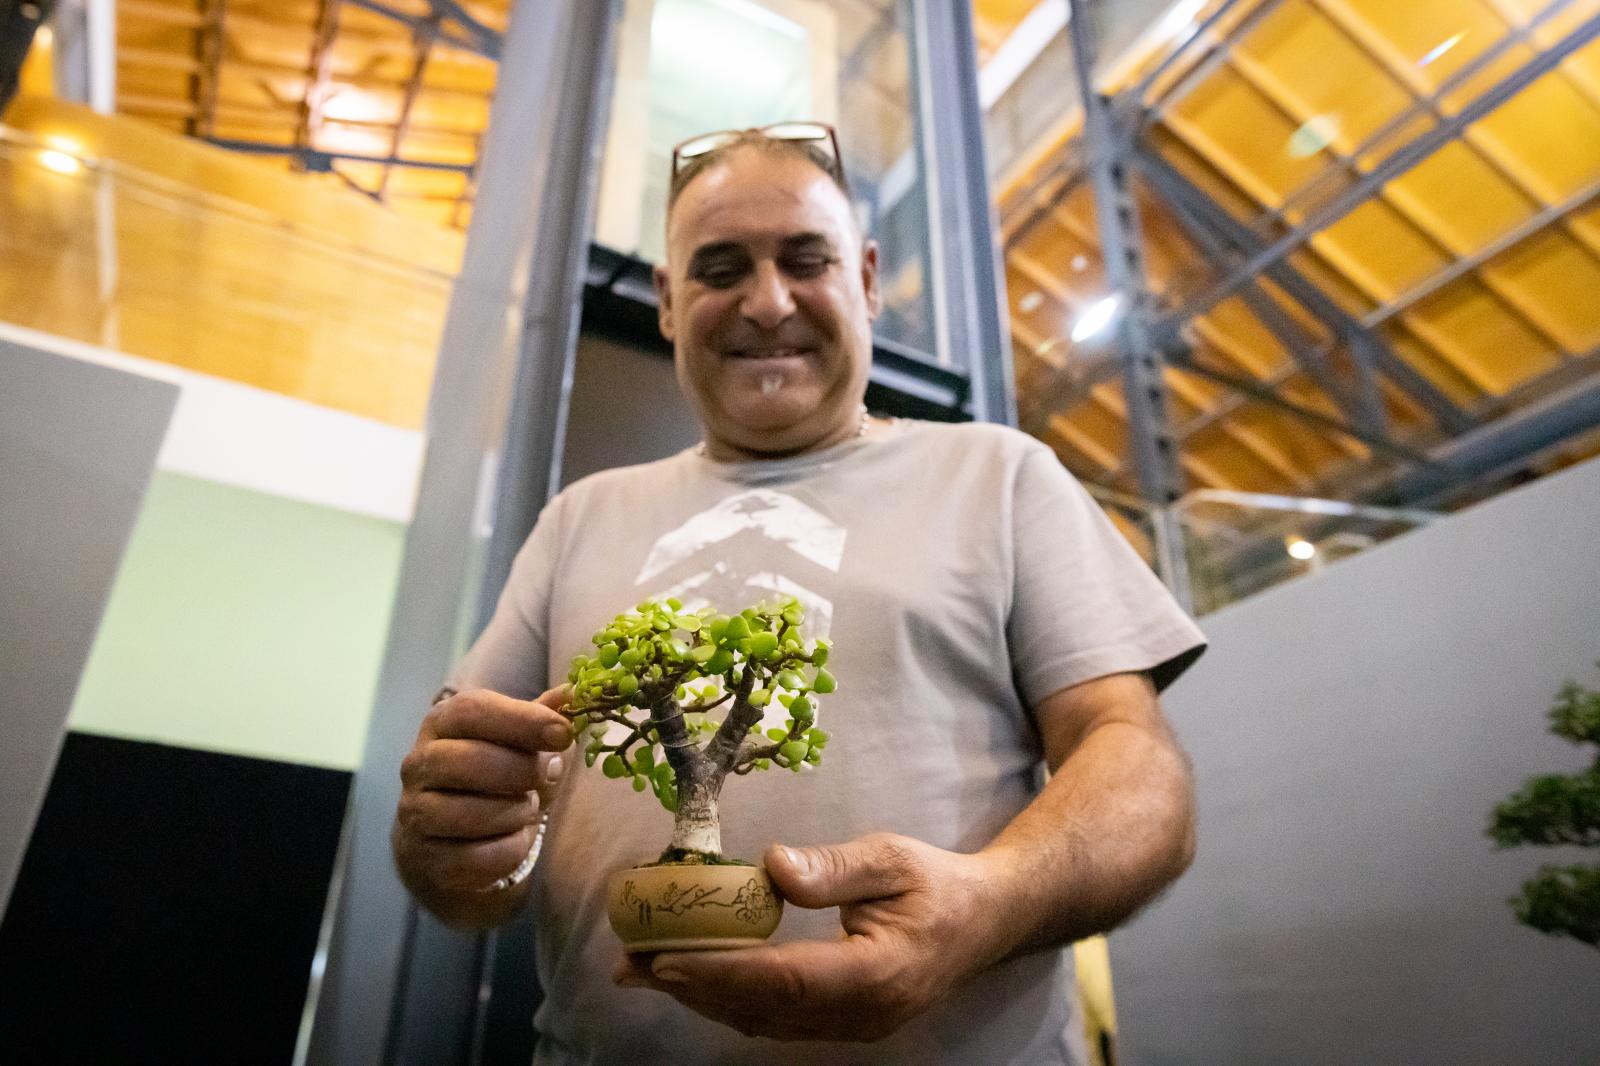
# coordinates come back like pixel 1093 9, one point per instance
pixel 1114 826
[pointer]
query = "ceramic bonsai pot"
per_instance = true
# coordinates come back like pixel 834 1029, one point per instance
pixel 692 907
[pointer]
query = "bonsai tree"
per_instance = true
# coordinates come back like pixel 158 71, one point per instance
pixel 642 706
pixel 1560 809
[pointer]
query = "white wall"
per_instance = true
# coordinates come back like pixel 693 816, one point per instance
pixel 1351 732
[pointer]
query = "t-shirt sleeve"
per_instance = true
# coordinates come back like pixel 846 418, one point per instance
pixel 511 655
pixel 1084 604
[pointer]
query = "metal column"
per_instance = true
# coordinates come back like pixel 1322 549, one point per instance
pixel 398 987
pixel 967 279
pixel 1150 437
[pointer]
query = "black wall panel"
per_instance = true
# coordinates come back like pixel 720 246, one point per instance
pixel 168 906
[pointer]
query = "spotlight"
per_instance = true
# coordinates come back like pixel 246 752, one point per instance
pixel 60 162
pixel 1301 549
pixel 1096 318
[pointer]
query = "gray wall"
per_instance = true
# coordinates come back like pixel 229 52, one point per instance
pixel 77 445
pixel 626 408
pixel 1351 732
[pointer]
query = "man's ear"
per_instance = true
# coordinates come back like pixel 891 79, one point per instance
pixel 664 302
pixel 869 278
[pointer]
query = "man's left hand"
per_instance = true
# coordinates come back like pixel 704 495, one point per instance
pixel 917 923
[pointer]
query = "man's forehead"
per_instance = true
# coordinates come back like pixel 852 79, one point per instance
pixel 758 199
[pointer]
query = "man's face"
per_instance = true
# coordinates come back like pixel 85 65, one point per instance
pixel 768 296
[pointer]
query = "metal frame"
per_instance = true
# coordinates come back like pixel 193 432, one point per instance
pixel 1151 440
pixel 399 988
pixel 965 259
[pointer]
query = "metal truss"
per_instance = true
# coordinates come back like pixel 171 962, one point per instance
pixel 1396 164
pixel 1427 106
pixel 475 36
pixel 1188 199
pixel 1150 437
pixel 314 159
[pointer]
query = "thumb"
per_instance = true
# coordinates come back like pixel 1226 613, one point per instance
pixel 872 867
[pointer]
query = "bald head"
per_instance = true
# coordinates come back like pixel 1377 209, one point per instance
pixel 752 141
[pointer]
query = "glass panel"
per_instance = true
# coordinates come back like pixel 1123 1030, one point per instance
pixel 251 607
pixel 1238 550
pixel 691 66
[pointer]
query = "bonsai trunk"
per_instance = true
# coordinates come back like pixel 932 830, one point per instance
pixel 700 772
pixel 695 825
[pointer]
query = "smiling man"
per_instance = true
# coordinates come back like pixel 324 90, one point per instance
pixel 988 624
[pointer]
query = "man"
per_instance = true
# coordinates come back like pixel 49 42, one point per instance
pixel 986 619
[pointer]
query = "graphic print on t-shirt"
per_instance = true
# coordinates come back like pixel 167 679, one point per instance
pixel 752 546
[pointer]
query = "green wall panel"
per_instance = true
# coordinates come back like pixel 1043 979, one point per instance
pixel 244 623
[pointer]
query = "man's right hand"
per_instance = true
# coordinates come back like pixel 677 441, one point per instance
pixel 470 800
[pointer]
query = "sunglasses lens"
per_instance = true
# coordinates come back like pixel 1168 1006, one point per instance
pixel 797 131
pixel 710 142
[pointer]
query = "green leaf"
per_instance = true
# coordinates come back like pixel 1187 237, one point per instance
pixel 720 662
pixel 609 654
pixel 794 751
pixel 790 680
pixel 703 653
pixel 639 784
pixel 675 603
pixel 824 683
pixel 763 644
pixel 759 697
pixel 800 707
pixel 813 756
pixel 613 766
pixel 738 628
pixel 794 616
pixel 777 734
pixel 627 685
pixel 643 760
pixel 631 658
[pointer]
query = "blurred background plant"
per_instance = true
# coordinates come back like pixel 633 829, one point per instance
pixel 1560 809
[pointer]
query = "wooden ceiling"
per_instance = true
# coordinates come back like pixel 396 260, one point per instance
pixel 1477 268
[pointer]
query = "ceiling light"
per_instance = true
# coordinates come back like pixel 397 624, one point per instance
pixel 1080 262
pixel 1314 135
pixel 1300 548
pixel 1030 302
pixel 60 162
pixel 1441 48
pixel 1096 318
pixel 1181 17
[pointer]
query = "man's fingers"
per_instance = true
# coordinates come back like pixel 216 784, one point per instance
pixel 471 865
pixel 796 972
pixel 873 867
pixel 470 766
pixel 525 725
pixel 465 815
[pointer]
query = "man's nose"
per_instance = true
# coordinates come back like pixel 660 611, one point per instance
pixel 768 301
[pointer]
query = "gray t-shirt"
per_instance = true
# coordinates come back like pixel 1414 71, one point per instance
pixel 962 575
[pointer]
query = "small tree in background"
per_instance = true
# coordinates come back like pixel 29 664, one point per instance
pixel 1560 809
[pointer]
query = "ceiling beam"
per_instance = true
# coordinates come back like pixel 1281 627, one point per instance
pixel 1397 163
